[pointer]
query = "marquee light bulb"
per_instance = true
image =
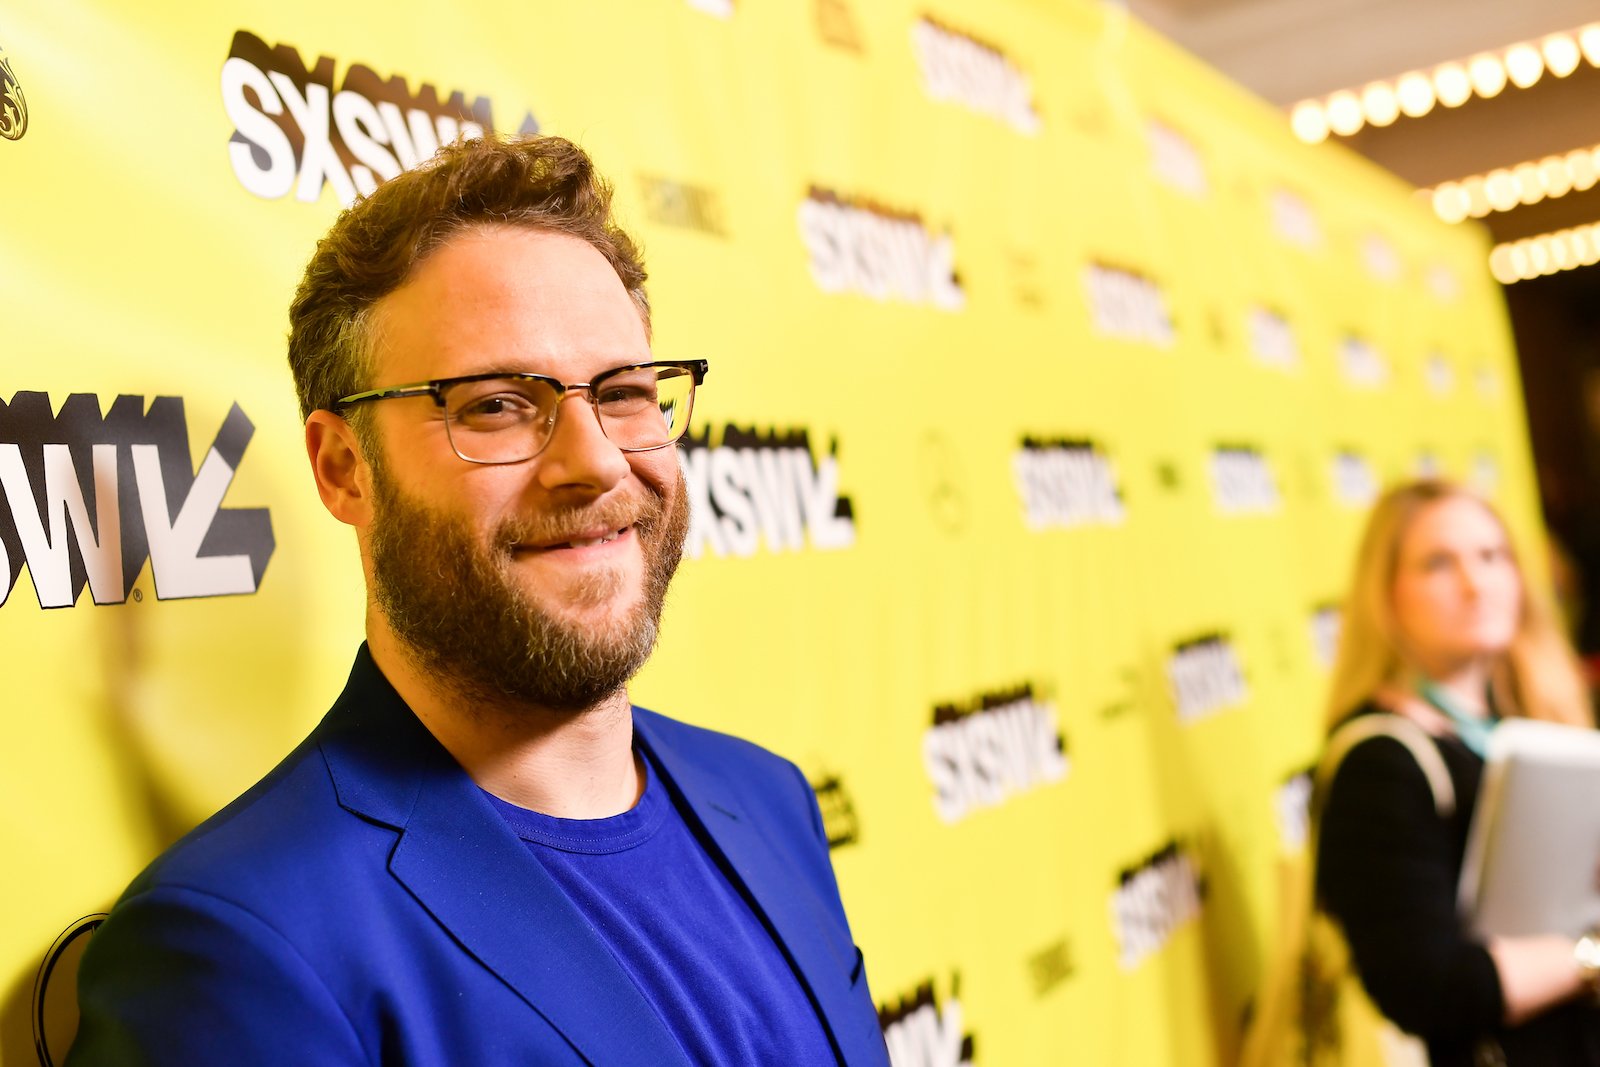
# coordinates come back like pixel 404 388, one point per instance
pixel 1581 165
pixel 1379 103
pixel 1344 113
pixel 1561 54
pixel 1488 75
pixel 1530 183
pixel 1521 261
pixel 1556 175
pixel 1524 65
pixel 1591 253
pixel 1539 257
pixel 1582 246
pixel 1415 90
pixel 1450 202
pixel 1589 41
pixel 1309 122
pixel 1477 197
pixel 1502 267
pixel 1561 252
pixel 1500 189
pixel 1451 82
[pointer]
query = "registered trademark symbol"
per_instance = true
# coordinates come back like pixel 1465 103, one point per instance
pixel 138 595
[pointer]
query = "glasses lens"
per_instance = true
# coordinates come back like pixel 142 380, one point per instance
pixel 647 407
pixel 499 420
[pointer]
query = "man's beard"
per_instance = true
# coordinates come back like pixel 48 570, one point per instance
pixel 456 603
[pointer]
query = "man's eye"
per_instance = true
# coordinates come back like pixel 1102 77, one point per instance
pixel 622 396
pixel 496 407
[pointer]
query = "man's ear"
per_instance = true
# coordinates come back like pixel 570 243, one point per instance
pixel 344 481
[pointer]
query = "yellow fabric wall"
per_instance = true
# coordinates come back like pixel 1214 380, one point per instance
pixel 1050 377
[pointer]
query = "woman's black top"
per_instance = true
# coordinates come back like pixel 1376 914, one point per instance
pixel 1387 869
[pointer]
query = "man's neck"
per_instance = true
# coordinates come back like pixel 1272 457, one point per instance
pixel 569 764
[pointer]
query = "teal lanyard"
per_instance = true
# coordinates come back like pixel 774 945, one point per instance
pixel 1473 731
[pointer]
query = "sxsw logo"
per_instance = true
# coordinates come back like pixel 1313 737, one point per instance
pixel 87 498
pixel 980 753
pixel 922 1031
pixel 1152 900
pixel 294 131
pixel 763 489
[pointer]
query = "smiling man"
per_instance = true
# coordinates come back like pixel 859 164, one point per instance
pixel 485 854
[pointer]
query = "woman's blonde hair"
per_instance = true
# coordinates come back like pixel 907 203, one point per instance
pixel 1537 676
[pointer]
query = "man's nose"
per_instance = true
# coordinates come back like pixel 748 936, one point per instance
pixel 579 454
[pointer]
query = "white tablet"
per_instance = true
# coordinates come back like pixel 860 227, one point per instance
pixel 1533 852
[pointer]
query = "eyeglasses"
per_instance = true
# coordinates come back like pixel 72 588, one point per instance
pixel 508 418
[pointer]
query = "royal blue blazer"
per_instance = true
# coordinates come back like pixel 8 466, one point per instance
pixel 365 905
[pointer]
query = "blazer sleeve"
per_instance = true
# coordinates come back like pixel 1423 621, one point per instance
pixel 1386 871
pixel 180 978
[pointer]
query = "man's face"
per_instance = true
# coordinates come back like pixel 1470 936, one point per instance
pixel 540 581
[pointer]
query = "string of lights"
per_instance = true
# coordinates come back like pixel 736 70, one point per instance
pixel 1451 84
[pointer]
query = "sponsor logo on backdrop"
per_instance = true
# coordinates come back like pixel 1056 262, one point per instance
pixel 1380 257
pixel 1293 220
pixel 1440 374
pixel 756 491
pixel 1066 482
pixel 1443 283
pixel 1485 477
pixel 856 245
pixel 922 1030
pixel 1152 901
pixel 1326 621
pixel 1205 677
pixel 1176 161
pixel 1128 306
pixel 1355 484
pixel 682 204
pixel 983 752
pixel 1363 365
pixel 722 9
pixel 293 130
pixel 13 104
pixel 1292 805
pixel 1272 339
pixel 961 69
pixel 836 25
pixel 1243 482
pixel 88 498
pixel 944 482
pixel 1488 383
pixel 1027 285
pixel 1428 465
pixel 1050 966
pixel 839 819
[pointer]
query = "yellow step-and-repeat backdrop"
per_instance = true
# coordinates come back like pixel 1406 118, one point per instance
pixel 1051 379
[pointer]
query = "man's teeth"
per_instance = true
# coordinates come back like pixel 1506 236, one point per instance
pixel 587 542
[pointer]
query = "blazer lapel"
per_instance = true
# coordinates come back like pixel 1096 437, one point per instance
pixel 794 911
pixel 478 880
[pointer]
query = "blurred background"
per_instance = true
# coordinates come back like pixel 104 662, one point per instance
pixel 1492 110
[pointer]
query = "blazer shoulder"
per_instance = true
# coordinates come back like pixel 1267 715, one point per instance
pixel 264 842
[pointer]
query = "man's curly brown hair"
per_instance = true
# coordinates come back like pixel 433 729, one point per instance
pixel 543 183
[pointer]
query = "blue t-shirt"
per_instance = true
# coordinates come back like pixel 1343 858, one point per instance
pixel 674 919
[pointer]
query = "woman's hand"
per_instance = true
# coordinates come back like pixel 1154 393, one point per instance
pixel 1536 974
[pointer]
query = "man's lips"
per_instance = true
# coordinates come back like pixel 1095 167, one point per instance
pixel 590 538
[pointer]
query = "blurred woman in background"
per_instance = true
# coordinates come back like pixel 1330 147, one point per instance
pixel 1441 628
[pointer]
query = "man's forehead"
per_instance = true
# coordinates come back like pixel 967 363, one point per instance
pixel 516 260
pixel 507 296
